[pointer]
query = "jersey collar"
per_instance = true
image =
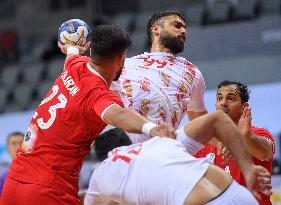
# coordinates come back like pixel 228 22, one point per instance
pixel 95 72
pixel 159 54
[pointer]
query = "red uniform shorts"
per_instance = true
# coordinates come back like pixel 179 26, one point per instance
pixel 20 193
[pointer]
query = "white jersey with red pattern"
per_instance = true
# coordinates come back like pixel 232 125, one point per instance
pixel 159 171
pixel 161 87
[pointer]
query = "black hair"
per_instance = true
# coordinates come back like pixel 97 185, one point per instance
pixel 108 141
pixel 14 133
pixel 109 41
pixel 244 92
pixel 155 19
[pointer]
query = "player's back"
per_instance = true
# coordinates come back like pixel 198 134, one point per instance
pixel 61 130
pixel 158 85
pixel 135 173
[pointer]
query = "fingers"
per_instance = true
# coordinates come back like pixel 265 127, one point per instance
pixel 62 48
pixel 82 49
pixel 227 156
pixel 263 180
pixel 164 130
pixel 169 131
pixel 219 147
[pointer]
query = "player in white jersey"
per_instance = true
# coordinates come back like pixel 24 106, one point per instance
pixel 162 171
pixel 159 85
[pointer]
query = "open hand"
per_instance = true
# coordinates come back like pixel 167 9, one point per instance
pixel 81 49
pixel 245 122
pixel 258 180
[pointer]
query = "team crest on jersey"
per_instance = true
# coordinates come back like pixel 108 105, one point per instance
pixel 211 157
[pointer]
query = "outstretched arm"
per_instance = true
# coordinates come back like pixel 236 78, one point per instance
pixel 131 121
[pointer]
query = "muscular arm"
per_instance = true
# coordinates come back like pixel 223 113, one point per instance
pixel 192 115
pixel 128 120
pixel 258 146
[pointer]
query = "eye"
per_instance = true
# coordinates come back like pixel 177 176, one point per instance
pixel 219 98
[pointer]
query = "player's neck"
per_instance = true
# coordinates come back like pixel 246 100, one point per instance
pixel 104 71
pixel 156 47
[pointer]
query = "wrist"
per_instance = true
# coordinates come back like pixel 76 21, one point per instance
pixel 71 50
pixel 147 127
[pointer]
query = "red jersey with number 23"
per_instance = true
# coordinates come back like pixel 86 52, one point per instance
pixel 63 127
pixel 231 168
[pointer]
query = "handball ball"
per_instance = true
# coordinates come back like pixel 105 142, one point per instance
pixel 75 32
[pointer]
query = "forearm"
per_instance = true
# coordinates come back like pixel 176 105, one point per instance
pixel 128 120
pixel 259 147
pixel 194 115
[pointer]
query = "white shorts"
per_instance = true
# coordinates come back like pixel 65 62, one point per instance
pixel 163 173
pixel 235 194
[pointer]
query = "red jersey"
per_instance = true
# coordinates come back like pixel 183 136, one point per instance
pixel 231 168
pixel 63 127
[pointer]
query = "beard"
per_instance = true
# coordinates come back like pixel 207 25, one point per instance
pixel 175 44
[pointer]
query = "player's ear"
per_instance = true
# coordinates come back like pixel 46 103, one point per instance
pixel 155 29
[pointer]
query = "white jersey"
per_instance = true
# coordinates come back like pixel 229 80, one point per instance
pixel 156 172
pixel 161 87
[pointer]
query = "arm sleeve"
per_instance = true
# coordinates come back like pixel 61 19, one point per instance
pixel 196 103
pixel 74 60
pixel 101 99
pixel 265 134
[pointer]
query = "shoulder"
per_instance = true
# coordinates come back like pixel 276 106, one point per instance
pixel 190 66
pixel 74 59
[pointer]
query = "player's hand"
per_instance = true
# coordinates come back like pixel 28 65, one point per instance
pixel 258 180
pixel 163 130
pixel 245 122
pixel 224 151
pixel 81 49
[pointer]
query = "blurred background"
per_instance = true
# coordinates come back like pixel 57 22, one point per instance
pixel 227 39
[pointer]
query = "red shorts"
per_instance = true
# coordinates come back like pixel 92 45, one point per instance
pixel 20 193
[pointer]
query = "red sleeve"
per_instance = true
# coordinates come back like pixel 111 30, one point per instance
pixel 261 132
pixel 75 60
pixel 204 151
pixel 101 98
